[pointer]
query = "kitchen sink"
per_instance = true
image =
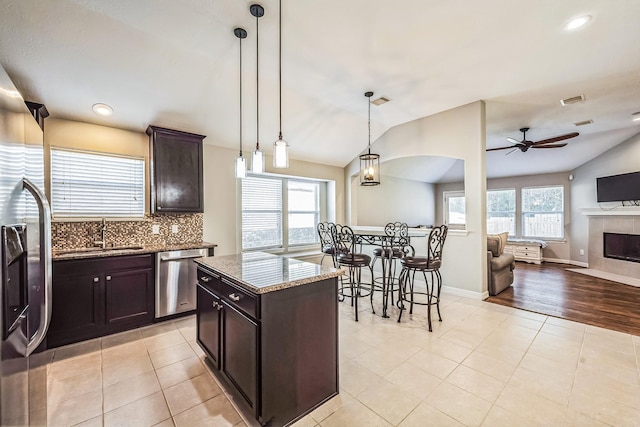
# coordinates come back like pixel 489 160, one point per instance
pixel 97 249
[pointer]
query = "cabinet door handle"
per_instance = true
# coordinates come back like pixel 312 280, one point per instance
pixel 108 278
pixel 214 304
pixel 96 280
pixel 234 297
pixel 205 279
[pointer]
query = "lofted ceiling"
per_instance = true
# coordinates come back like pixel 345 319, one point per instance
pixel 175 64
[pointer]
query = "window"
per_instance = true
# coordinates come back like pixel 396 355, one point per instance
pixel 543 212
pixel 87 184
pixel 501 211
pixel 454 209
pixel 280 212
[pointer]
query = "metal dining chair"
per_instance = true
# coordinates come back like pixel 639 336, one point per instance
pixel 326 241
pixel 346 256
pixel 433 280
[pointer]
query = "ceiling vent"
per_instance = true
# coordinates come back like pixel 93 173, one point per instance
pixel 572 100
pixel 380 101
pixel 584 122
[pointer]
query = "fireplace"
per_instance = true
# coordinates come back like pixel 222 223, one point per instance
pixel 622 246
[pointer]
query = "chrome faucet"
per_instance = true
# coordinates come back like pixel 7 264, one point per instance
pixel 103 229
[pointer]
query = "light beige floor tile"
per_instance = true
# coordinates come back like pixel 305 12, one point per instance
pixel 555 388
pixel 570 334
pixel 463 339
pixel 180 371
pixel 490 365
pixel 433 364
pixel 38 418
pixel 166 423
pixel 501 351
pixel 355 378
pixel 76 410
pixel 130 367
pixel 615 390
pixel 185 322
pixel 476 382
pixel 576 419
pixel 217 411
pixel 569 324
pixel 625 358
pixel 158 329
pixel 171 355
pixel 59 390
pixel 189 334
pixel 612 371
pixel 122 352
pixel 147 411
pixel 500 417
pixel 329 407
pixel 380 361
pixel 524 322
pixel 424 415
pixel 531 315
pixel 512 336
pixel 542 365
pixel 413 380
pixel 459 404
pixel 531 406
pixel 162 341
pixel 190 393
pixel 121 338
pixel 74 350
pixel 402 346
pixel 352 346
pixel 93 422
pixel 306 421
pixel 72 366
pixel 598 406
pixel 354 413
pixel 389 401
pixel 129 390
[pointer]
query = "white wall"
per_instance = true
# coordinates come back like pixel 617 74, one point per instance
pixel 458 133
pixel 396 199
pixel 623 158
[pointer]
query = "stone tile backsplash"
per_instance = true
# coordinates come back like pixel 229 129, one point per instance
pixel 71 235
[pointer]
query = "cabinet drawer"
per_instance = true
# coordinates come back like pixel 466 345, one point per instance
pixel 242 300
pixel 209 280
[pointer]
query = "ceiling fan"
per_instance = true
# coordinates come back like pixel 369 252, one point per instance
pixel 524 145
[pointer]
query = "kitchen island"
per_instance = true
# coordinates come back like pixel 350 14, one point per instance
pixel 269 327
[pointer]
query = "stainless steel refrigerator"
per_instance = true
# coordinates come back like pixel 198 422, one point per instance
pixel 25 263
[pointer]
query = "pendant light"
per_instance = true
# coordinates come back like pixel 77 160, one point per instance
pixel 369 162
pixel 280 147
pixel 257 157
pixel 241 165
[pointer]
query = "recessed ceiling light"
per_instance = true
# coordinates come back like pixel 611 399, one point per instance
pixel 576 23
pixel 102 109
pixel 636 116
pixel 637 119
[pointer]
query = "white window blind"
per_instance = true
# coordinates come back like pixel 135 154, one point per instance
pixel 96 185
pixel 261 213
pixel 303 202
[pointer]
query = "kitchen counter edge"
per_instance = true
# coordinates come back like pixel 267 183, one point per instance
pixel 123 252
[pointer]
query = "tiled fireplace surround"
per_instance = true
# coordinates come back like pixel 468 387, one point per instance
pixel 610 224
pixel 81 234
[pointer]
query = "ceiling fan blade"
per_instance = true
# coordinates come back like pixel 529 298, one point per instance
pixel 557 138
pixel 501 148
pixel 515 141
pixel 511 151
pixel 549 146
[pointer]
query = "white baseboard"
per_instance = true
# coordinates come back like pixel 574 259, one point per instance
pixel 566 261
pixel 465 293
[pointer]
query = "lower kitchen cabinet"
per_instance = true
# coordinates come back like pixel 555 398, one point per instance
pixel 277 352
pixel 100 296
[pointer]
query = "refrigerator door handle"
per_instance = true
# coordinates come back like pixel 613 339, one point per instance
pixel 45 258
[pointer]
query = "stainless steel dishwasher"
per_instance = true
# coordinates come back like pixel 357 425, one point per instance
pixel 176 281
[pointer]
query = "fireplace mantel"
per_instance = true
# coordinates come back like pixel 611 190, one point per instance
pixel 619 211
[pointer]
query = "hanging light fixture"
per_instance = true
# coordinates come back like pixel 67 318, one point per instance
pixel 369 162
pixel 241 165
pixel 280 147
pixel 257 157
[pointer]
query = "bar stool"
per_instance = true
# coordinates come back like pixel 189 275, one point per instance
pixel 345 255
pixel 429 264
pixel 395 245
pixel 326 241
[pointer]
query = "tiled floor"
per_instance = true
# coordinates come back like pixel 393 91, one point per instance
pixel 485 364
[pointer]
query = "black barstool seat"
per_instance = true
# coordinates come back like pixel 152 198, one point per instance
pixel 356 260
pixel 388 252
pixel 421 263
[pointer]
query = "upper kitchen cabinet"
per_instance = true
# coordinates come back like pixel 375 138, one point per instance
pixel 176 171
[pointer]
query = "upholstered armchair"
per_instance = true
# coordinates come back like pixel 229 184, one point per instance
pixel 500 265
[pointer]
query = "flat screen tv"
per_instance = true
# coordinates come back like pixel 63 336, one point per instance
pixel 618 188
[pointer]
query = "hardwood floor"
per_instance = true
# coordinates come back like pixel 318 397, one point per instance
pixel 551 289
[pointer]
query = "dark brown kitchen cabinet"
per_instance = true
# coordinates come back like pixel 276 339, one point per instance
pixel 176 171
pixel 208 321
pixel 100 296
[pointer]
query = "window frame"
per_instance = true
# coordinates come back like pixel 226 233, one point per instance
pixel 515 209
pixel 446 195
pixel 57 216
pixel 285 247
pixel 523 213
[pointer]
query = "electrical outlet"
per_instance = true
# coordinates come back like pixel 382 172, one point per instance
pixel 174 228
pixel 581 251
pixel 155 229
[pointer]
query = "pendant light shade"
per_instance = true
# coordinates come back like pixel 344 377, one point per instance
pixel 241 165
pixel 257 157
pixel 369 162
pixel 280 147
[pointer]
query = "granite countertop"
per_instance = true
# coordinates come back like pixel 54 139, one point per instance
pixel 261 272
pixel 83 253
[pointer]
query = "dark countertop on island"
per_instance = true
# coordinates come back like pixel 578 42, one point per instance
pixel 261 272
pixel 82 253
